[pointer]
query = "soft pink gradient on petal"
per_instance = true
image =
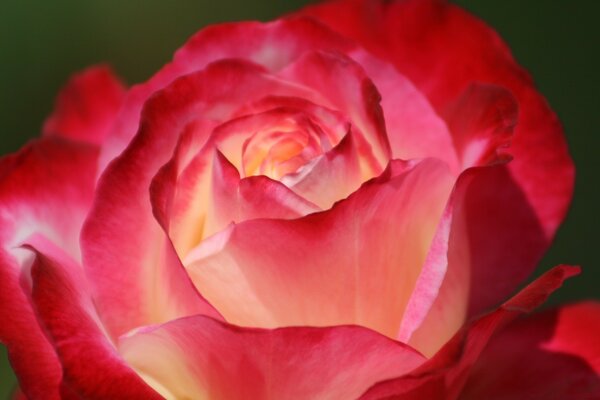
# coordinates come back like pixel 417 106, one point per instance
pixel 259 273
pixel 91 366
pixel 432 43
pixel 197 357
pixel 235 200
pixel 488 252
pixel 482 120
pixel 331 177
pixel 414 128
pixel 347 88
pixel 272 45
pixel 427 291
pixel 444 375
pixel 46 188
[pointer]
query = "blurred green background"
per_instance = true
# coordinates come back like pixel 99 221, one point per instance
pixel 43 42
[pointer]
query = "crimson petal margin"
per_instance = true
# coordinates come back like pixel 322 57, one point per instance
pixel 432 42
pixel 347 88
pixel 91 366
pixel 343 279
pixel 45 188
pixel 443 377
pixel 121 225
pixel 198 357
pixel 553 354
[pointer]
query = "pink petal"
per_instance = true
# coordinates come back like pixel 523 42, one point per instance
pixel 91 366
pixel 125 250
pixel 347 88
pixel 198 357
pixel 433 43
pixel 333 176
pixel 428 292
pixel 551 354
pixel 31 356
pixel 236 200
pixel 444 376
pixel 46 189
pixel 87 106
pixel 489 252
pixel 365 256
pixel 181 189
pixel 272 45
pixel 482 121
pixel 414 128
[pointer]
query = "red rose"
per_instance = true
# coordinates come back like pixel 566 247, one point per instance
pixel 324 206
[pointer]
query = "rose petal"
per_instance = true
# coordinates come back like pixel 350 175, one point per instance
pixel 432 43
pixel 258 273
pixel 484 222
pixel 489 252
pixel 197 357
pixel 347 88
pixel 413 127
pixel 331 177
pixel 272 45
pixel 90 364
pixel 31 356
pixel 552 354
pixel 87 106
pixel 121 225
pixel 181 189
pixel 444 375
pixel 236 200
pixel 482 121
pixel 46 188
pixel 427 292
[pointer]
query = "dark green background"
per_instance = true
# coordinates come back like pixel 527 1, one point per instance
pixel 42 42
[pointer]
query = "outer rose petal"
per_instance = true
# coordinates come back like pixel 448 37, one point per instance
pixel 197 357
pixel 121 225
pixel 482 121
pixel 433 44
pixel 87 107
pixel 487 252
pixel 550 355
pixel 258 273
pixel 91 366
pixel 479 221
pixel 46 188
pixel 444 376
pixel 30 354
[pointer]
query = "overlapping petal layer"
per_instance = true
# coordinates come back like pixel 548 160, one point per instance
pixel 432 43
pixel 45 189
pixel 91 366
pixel 444 375
pixel 200 358
pixel 350 207
pixel 346 277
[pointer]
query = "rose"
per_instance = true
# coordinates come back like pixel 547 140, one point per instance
pixel 335 239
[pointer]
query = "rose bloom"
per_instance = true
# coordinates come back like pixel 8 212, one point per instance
pixel 338 204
